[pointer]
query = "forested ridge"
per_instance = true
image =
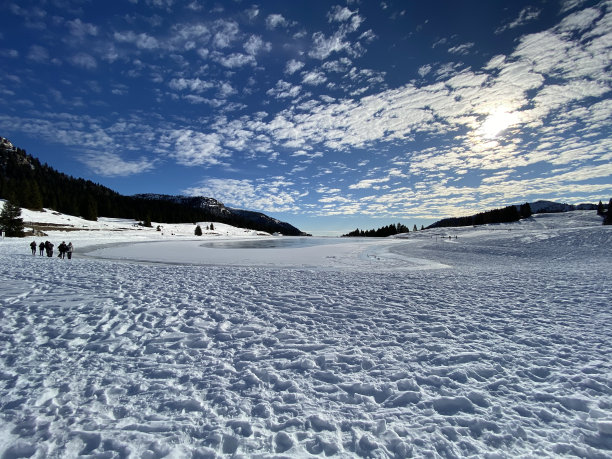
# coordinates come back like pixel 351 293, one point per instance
pixel 25 181
pixel 383 231
pixel 503 215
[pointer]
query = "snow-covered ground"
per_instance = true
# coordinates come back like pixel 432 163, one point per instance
pixel 495 343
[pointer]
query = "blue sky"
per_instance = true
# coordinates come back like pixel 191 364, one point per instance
pixel 327 115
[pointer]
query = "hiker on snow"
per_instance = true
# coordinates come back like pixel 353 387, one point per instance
pixel 62 249
pixel 49 248
pixel 41 248
pixel 33 247
pixel 69 249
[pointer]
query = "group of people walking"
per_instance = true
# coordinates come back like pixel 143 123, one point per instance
pixel 65 250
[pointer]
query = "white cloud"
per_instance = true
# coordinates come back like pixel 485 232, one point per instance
pixel 235 60
pixel 580 20
pixel 164 4
pixel 284 90
pixel 141 40
pixel 276 20
pixel 84 60
pixel 192 148
pixel 314 78
pixel 226 32
pixel 12 53
pixel 340 14
pixel 195 6
pixel 226 90
pixel 368 36
pixel 567 5
pixel 424 70
pixel 462 49
pixel 368 183
pixel 335 199
pixel 197 33
pixel 255 44
pixel 111 164
pixel 38 54
pixel 293 66
pixel 193 84
pixel 268 195
pixel 342 65
pixel 195 99
pixel 526 15
pixel 81 29
pixel 323 46
pixel 252 12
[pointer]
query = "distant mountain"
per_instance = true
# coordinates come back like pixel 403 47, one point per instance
pixel 219 212
pixel 30 184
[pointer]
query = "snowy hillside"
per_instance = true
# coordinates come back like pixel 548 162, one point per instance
pixel 61 226
pixel 493 343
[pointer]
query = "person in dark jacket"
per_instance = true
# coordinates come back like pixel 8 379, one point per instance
pixel 33 247
pixel 41 248
pixel 49 248
pixel 62 249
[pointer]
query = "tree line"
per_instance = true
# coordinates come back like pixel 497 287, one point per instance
pixel 503 215
pixel 607 215
pixel 384 231
pixel 29 184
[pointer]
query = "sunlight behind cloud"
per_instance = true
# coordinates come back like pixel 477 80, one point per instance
pixel 497 122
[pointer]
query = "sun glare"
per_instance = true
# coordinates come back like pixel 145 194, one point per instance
pixel 497 122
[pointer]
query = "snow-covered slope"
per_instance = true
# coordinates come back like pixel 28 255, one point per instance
pixel 217 210
pixel 61 226
pixel 499 348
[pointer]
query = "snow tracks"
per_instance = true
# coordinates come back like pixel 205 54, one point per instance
pixel 110 359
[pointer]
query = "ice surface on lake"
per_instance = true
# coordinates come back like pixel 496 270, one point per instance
pixel 495 343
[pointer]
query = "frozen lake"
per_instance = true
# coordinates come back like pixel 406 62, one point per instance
pixel 274 243
pixel 362 254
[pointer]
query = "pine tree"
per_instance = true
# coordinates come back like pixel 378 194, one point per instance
pixel 212 228
pixel 608 219
pixel 35 200
pixel 414 228
pixel 89 208
pixel 525 210
pixel 11 223
pixel 600 208
pixel 198 231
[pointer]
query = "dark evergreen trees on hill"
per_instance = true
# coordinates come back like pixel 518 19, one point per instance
pixel 30 184
pixel 11 223
pixel 608 217
pixel 384 231
pixel 525 210
pixel 504 215
pixel 34 185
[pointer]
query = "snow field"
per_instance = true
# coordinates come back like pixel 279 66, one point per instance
pixel 505 353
